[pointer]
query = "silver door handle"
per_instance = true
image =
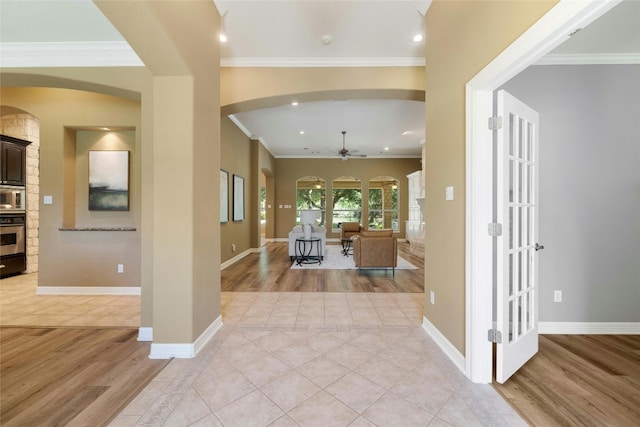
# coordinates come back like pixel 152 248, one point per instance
pixel 538 247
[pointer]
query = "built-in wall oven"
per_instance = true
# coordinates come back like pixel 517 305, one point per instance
pixel 12 244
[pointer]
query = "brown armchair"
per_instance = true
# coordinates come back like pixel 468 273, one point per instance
pixel 376 249
pixel 350 229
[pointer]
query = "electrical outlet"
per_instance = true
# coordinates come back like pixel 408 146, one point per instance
pixel 557 296
pixel 233 247
pixel 432 297
pixel 120 268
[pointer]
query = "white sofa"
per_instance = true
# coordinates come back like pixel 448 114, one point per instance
pixel 316 232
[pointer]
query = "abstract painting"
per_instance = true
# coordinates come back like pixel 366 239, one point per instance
pixel 108 180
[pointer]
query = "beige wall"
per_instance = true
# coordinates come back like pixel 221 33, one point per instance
pixel 289 170
pixel 462 37
pixel 179 155
pixel 235 148
pixel 101 140
pixel 249 159
pixel 267 165
pixel 64 256
pixel 244 89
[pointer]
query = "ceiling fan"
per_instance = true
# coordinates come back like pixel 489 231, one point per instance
pixel 344 153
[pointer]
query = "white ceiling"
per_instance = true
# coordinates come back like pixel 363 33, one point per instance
pixel 289 33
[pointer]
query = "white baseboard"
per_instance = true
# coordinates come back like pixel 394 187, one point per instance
pixel 145 334
pixel 185 350
pixel 88 290
pixel 594 328
pixel 452 353
pixel 238 257
pixel 208 333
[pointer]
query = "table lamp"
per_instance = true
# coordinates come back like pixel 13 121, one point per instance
pixel 307 218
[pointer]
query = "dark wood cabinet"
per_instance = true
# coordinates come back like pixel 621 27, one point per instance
pixel 13 160
pixel 12 264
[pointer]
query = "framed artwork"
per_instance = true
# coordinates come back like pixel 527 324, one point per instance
pixel 108 180
pixel 238 198
pixel 224 196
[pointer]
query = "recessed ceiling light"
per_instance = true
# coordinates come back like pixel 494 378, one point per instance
pixel 294 103
pixel 301 132
pixel 417 38
pixel 223 38
pixel 406 132
pixel 386 148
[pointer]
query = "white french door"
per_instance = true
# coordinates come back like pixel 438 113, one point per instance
pixel 516 257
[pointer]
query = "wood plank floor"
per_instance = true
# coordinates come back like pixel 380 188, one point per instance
pixel 269 271
pixel 579 380
pixel 70 376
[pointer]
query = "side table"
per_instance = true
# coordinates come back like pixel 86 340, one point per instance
pixel 346 246
pixel 304 248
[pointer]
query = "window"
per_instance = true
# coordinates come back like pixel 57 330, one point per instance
pixel 346 201
pixel 310 194
pixel 383 203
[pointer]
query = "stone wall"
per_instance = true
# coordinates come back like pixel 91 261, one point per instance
pixel 27 127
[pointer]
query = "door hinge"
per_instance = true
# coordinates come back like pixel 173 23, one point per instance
pixel 495 123
pixel 495 336
pixel 495 229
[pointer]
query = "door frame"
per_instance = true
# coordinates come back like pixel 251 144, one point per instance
pixel 546 34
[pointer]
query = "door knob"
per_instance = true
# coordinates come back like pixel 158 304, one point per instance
pixel 538 247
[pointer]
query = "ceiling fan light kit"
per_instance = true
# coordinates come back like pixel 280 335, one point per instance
pixel 344 153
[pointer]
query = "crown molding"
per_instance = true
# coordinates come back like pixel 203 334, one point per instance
pixel 323 62
pixel 120 54
pixel 337 156
pixel 68 54
pixel 590 59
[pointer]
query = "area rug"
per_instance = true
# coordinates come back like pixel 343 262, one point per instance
pixel 334 260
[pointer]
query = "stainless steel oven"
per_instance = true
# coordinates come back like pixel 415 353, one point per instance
pixel 12 235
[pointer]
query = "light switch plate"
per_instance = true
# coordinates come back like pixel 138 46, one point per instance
pixel 448 193
pixel 47 200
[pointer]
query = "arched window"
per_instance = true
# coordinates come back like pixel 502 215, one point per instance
pixel 310 195
pixel 346 201
pixel 383 203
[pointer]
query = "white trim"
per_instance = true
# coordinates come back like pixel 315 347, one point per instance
pixel 478 243
pixel 242 127
pixel 452 353
pixel 598 328
pixel 145 334
pixel 323 62
pixel 590 59
pixel 337 156
pixel 167 351
pixel 208 333
pixel 238 257
pixel 68 54
pixel 547 33
pixel 88 290
pixel 281 239
pixel 185 350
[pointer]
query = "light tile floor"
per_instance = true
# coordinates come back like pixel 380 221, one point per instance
pixel 288 359
pixel 318 359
